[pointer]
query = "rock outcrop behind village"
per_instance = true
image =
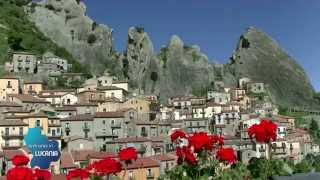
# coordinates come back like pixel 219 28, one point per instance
pixel 178 68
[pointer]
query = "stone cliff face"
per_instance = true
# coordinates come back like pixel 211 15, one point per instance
pixel 66 23
pixel 178 69
pixel 260 58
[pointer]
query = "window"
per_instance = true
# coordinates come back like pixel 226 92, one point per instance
pixel 38 123
pixel 49 130
pixel 58 130
pixel 104 122
pixel 149 172
pixel 21 131
pixel 112 94
pixel 67 125
pixel 68 101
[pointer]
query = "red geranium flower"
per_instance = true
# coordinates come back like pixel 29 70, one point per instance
pixel 107 166
pixel 20 173
pixel 40 174
pixel 217 140
pixel 200 141
pixel 226 155
pixel 185 154
pixel 20 160
pixel 128 154
pixel 78 173
pixel 264 132
pixel 177 134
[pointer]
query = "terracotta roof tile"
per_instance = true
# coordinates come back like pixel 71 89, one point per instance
pixel 116 114
pixel 102 88
pixel 28 98
pixel 130 140
pixel 12 123
pixel 9 154
pixel 9 104
pixel 142 163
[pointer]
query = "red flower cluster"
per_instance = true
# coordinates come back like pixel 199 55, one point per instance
pixel 20 160
pixel 78 173
pixel 105 166
pixel 40 174
pixel 128 154
pixel 199 142
pixel 264 132
pixel 177 134
pixel 226 155
pixel 185 154
pixel 21 172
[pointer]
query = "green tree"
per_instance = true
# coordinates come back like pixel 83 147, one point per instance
pixel 303 167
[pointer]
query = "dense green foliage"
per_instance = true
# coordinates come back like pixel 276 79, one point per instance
pixel 261 168
pixel 17 33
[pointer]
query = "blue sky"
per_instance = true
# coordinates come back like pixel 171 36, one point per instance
pixel 216 25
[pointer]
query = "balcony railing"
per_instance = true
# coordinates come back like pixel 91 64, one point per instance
pixel 103 134
pixel 150 176
pixel 12 135
pixel 116 125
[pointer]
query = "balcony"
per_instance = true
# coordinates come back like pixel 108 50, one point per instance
pixel 150 176
pixel 104 134
pixel 116 126
pixel 12 146
pixel 86 128
pixel 12 135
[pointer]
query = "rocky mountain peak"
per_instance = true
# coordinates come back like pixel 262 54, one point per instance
pixel 260 58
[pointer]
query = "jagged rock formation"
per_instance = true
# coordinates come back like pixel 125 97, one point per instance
pixel 65 22
pixel 178 69
pixel 260 58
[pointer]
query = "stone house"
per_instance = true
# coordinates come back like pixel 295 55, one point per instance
pixel 180 102
pixel 141 105
pixel 91 96
pixel 69 99
pixel 60 63
pixel 218 97
pixel 27 101
pixel 105 81
pixel 24 62
pixel 256 87
pixel 108 126
pixel 6 106
pixel 113 91
pixel 32 87
pixel 65 111
pixel 8 85
pixel 243 82
pixel 166 161
pixel 212 109
pixel 196 125
pixel 85 108
pixel 143 145
pixel 237 94
pixel 121 84
pixel 54 129
pixel 110 104
pixel 142 169
pixel 49 69
pixel 80 125
pixel 78 143
pixel 12 133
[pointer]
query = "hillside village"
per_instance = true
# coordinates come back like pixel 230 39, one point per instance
pixel 102 116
